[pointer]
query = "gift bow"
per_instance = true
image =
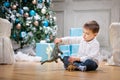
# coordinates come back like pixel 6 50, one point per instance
pixel 48 51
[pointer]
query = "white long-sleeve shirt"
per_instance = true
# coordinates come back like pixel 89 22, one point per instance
pixel 87 50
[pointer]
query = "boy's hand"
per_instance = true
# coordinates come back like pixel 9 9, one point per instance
pixel 57 40
pixel 72 59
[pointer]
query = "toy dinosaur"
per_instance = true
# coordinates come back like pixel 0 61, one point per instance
pixel 71 67
pixel 54 55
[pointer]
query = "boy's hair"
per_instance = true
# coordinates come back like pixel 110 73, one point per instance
pixel 92 25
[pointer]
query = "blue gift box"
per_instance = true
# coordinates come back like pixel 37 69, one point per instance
pixel 76 31
pixel 74 49
pixel 65 49
pixel 44 50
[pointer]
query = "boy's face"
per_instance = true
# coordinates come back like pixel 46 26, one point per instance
pixel 88 35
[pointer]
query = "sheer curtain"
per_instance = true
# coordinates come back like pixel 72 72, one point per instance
pixel 6 50
pixel 115 44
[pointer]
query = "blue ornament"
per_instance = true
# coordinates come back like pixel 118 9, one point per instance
pixel 14 35
pixel 23 34
pixel 32 13
pixel 40 1
pixel 45 23
pixel 17 21
pixel 21 11
pixel 6 4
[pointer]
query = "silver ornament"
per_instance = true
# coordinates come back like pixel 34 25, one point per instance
pixel 43 10
pixel 25 8
pixel 39 5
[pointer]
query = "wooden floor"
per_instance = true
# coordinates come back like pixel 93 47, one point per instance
pixel 53 71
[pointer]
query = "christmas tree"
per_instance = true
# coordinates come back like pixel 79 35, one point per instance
pixel 33 20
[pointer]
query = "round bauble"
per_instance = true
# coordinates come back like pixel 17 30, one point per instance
pixel 34 2
pixel 23 34
pixel 17 21
pixel 37 17
pixel 14 7
pixel 40 1
pixel 45 23
pixel 25 9
pixel 18 26
pixel 43 11
pixel 26 15
pixel 6 4
pixel 21 11
pixel 36 23
pixel 14 12
pixel 32 13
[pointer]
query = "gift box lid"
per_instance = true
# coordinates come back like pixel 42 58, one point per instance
pixel 76 32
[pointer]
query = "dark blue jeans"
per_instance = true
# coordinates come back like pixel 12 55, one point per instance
pixel 90 64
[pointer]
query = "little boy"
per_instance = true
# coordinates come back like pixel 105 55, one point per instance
pixel 88 54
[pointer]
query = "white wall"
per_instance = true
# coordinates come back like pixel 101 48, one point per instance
pixel 74 13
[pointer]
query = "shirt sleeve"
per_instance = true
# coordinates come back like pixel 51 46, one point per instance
pixel 93 53
pixel 71 40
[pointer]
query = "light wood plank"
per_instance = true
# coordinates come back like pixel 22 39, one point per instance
pixel 55 71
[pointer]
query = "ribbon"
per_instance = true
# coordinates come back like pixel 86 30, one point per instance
pixel 49 51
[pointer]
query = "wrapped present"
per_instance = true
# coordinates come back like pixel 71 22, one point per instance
pixel 76 31
pixel 65 49
pixel 44 50
pixel 74 49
